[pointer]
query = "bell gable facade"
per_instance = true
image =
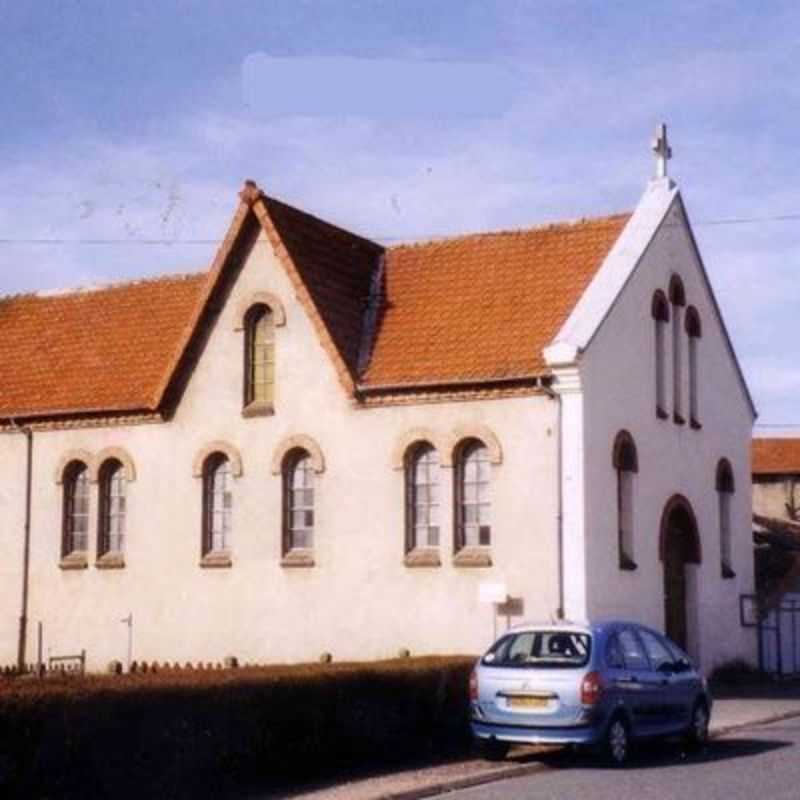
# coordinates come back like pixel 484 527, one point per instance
pixel 324 445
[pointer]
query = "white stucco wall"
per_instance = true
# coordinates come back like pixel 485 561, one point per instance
pixel 359 600
pixel 618 377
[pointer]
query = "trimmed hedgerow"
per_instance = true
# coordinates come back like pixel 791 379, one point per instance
pixel 200 733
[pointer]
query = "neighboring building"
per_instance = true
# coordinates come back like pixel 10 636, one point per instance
pixel 776 477
pixel 322 444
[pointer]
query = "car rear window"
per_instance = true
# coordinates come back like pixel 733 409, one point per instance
pixel 540 649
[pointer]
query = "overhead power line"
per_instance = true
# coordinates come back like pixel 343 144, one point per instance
pixel 163 242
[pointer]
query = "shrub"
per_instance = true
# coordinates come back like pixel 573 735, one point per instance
pixel 201 733
pixel 737 673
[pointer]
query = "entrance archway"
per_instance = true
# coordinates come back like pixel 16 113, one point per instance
pixel 679 546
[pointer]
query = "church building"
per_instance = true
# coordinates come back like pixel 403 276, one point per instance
pixel 322 444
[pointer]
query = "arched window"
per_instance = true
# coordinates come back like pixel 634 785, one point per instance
pixel 725 488
pixel 677 297
pixel 217 504
pixel 694 331
pixel 75 518
pixel 298 501
pixel 422 496
pixel 626 464
pixel 259 367
pixel 112 510
pixel 473 505
pixel 660 311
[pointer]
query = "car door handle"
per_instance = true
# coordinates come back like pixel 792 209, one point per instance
pixel 626 679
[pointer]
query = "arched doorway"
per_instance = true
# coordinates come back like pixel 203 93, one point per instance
pixel 679 546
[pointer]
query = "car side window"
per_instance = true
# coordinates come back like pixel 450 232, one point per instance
pixel 681 660
pixel 632 651
pixel 656 651
pixel 614 658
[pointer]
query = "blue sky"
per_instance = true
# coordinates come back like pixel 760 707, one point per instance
pixel 136 123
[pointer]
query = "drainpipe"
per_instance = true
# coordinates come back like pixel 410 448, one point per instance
pixel 26 550
pixel 560 499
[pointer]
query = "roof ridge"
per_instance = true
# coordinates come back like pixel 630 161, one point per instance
pixel 327 223
pixel 546 226
pixel 45 294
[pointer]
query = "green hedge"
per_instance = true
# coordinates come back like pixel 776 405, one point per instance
pixel 194 734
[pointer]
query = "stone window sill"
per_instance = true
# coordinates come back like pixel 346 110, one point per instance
pixel 216 560
pixel 473 557
pixel 110 561
pixel 298 558
pixel 423 557
pixel 695 425
pixel 660 413
pixel 77 560
pixel 258 410
pixel 678 419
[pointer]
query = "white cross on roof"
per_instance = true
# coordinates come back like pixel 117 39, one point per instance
pixel 662 150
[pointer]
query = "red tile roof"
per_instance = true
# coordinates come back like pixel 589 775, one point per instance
pixel 775 456
pixel 87 351
pixel 467 310
pixel 483 307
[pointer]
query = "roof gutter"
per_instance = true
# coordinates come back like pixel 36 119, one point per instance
pixel 538 381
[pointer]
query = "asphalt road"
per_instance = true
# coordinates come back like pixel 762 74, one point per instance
pixel 758 763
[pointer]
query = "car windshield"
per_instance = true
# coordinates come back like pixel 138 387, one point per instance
pixel 540 649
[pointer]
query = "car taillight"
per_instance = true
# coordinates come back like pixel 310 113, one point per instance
pixel 591 689
pixel 473 686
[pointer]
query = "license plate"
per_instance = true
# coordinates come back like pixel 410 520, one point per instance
pixel 527 702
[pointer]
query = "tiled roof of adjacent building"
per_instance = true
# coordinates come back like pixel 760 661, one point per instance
pixel 775 456
pixel 468 310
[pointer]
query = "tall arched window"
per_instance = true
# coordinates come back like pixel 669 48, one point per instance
pixel 298 502
pixel 422 496
pixel 259 368
pixel 112 510
pixel 660 311
pixel 473 503
pixel 725 488
pixel 217 504
pixel 694 331
pixel 75 518
pixel 677 297
pixel 626 464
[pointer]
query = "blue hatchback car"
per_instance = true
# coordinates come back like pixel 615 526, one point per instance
pixel 604 683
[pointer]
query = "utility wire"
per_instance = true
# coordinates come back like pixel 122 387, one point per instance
pixel 418 236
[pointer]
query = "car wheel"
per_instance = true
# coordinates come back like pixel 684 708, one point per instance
pixel 617 743
pixel 494 750
pixel 697 733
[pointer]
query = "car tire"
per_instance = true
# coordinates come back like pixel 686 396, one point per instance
pixel 617 742
pixel 696 736
pixel 494 749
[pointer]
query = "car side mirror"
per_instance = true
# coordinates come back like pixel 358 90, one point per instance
pixel 668 667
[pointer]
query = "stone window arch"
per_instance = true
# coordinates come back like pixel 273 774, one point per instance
pixel 482 433
pixel 625 461
pixel 222 447
pixel 410 438
pixel 298 442
pixel 119 454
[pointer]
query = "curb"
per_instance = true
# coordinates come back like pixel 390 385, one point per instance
pixel 494 775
